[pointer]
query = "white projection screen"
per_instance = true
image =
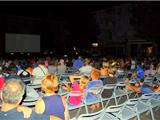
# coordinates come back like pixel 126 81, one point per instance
pixel 22 43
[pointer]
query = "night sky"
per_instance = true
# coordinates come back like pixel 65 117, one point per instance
pixel 63 25
pixel 78 28
pixel 62 9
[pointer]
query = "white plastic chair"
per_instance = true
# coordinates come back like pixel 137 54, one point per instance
pixel 139 107
pixel 151 99
pixel 119 92
pixel 99 115
pixel 107 94
pixel 120 112
pixel 35 82
pixel 31 97
pixel 98 98
pixel 73 107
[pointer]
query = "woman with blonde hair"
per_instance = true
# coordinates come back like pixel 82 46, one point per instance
pixel 51 104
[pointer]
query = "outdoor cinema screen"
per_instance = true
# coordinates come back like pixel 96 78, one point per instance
pixel 22 43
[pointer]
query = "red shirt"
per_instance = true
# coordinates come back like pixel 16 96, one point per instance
pixel 1 82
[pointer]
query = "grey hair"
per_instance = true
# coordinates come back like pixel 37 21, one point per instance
pixel 11 96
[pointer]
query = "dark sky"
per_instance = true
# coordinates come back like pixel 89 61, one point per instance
pixel 77 16
pixel 41 8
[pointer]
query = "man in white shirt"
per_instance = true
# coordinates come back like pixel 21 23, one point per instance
pixel 39 72
pixel 86 69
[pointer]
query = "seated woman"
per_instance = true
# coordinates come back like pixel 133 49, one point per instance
pixel 78 87
pixel 51 104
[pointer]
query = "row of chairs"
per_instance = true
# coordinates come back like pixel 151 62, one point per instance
pixel 132 108
pixel 103 96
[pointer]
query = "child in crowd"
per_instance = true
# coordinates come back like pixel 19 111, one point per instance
pixel 95 82
pixel 78 87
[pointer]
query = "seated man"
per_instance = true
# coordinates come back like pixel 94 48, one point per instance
pixel 86 68
pixel 12 94
pixel 39 72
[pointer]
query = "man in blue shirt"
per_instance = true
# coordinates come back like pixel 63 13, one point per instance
pixel 140 72
pixel 77 63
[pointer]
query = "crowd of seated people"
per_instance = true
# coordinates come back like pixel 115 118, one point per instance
pixel 88 70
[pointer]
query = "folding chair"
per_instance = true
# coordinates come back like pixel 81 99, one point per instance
pixel 119 92
pixel 35 83
pixel 120 112
pixel 26 80
pixel 31 97
pixel 148 80
pixel 139 107
pixel 120 75
pixel 152 99
pixel 100 115
pixel 69 70
pixel 107 94
pixel 73 107
pixel 98 98
pixel 130 109
pixel 62 91
pixel 91 116
pixel 108 80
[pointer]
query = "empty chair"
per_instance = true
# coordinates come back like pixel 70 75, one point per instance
pixel 119 92
pixel 120 112
pixel 108 80
pixel 31 97
pixel 107 94
pixel 73 107
pixel 100 115
pixel 96 90
pixel 130 109
pixel 139 107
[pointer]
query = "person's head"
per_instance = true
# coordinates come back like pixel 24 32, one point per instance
pixel 95 75
pixel 141 81
pixel 152 66
pixel 84 81
pixel 40 62
pixel 12 68
pixel 61 62
pixel 86 61
pixel 105 64
pixel 13 91
pixel 134 74
pixel 49 83
pixel 96 65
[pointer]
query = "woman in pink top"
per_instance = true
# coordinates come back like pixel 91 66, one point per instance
pixel 76 87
